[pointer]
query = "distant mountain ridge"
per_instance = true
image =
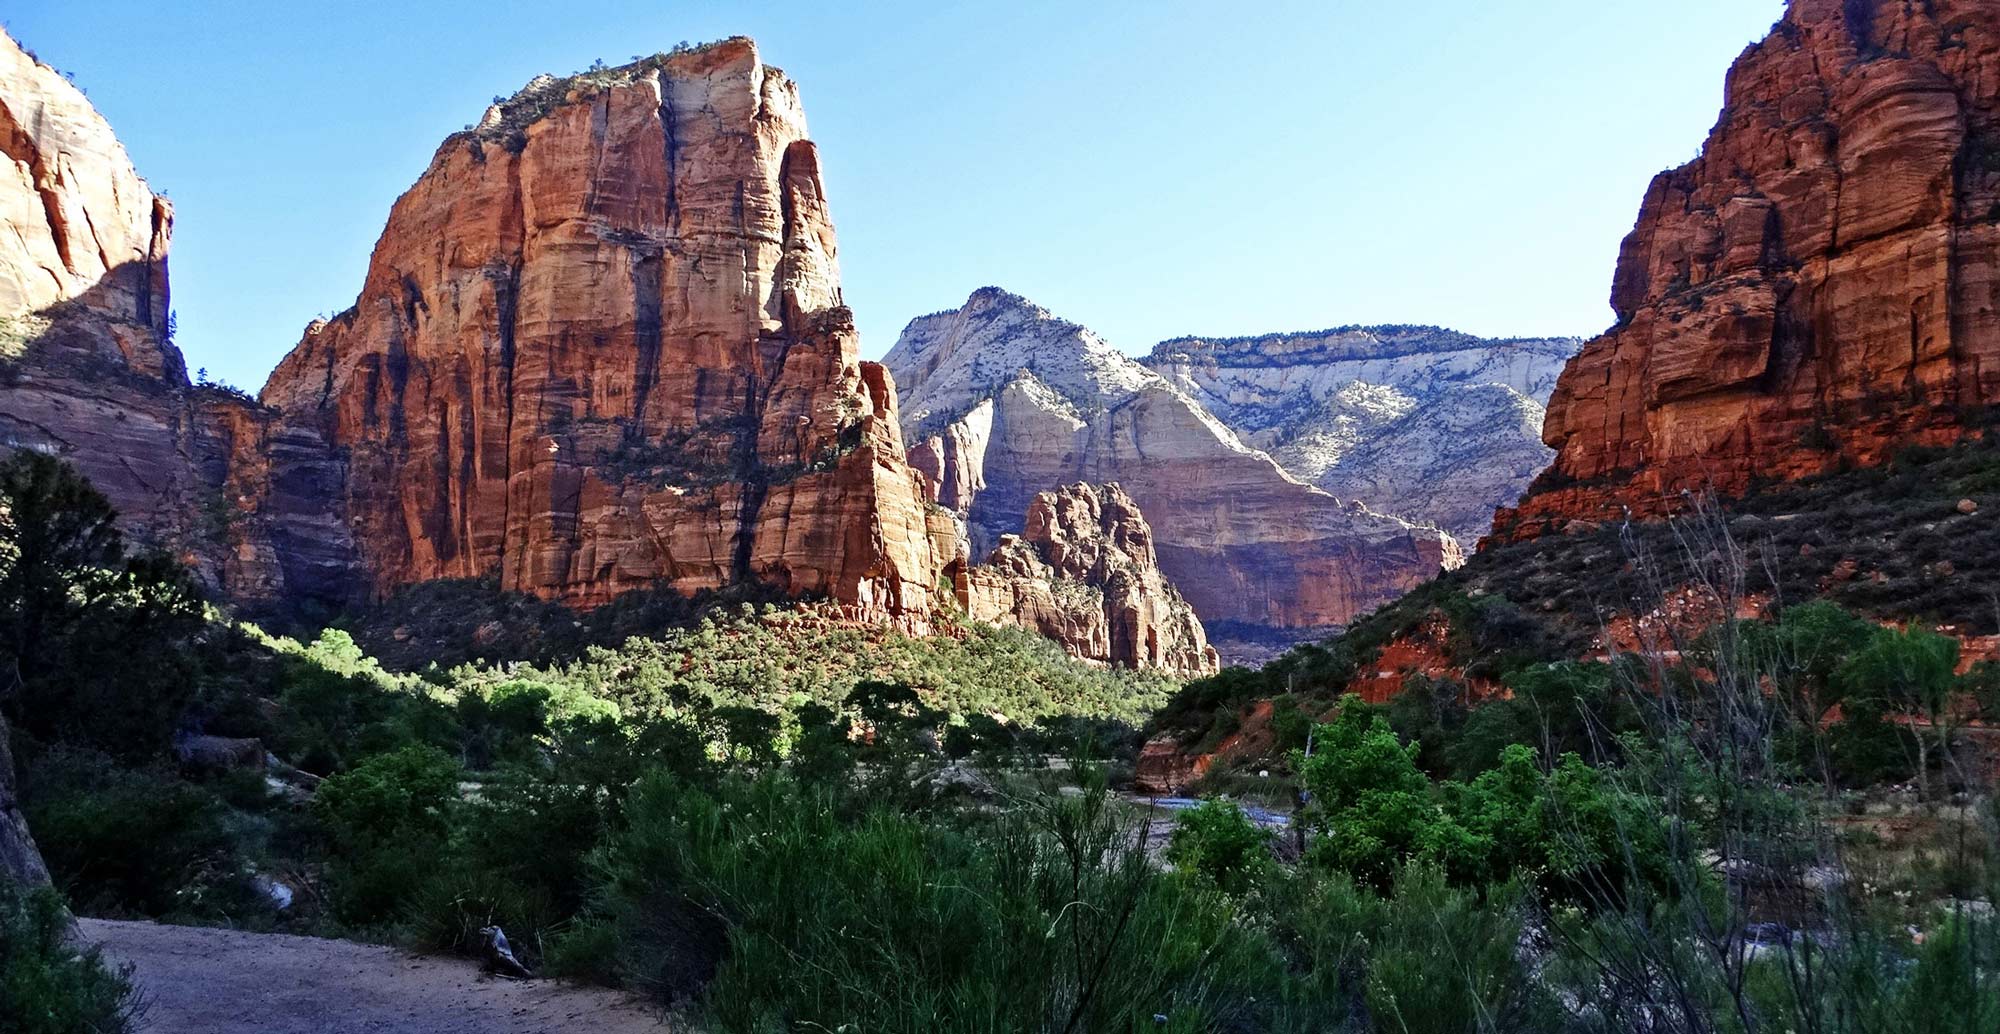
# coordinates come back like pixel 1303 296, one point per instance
pixel 1002 399
pixel 1423 422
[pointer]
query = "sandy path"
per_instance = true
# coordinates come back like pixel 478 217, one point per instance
pixel 201 981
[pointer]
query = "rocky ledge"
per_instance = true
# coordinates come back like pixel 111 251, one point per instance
pixel 1084 573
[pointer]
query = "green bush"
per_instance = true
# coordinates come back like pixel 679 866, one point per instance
pixel 48 985
pixel 1218 842
pixel 1049 919
pixel 1443 960
pixel 387 822
pixel 517 858
pixel 129 841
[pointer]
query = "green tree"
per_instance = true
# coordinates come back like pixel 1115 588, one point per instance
pixel 94 645
pixel 895 713
pixel 60 532
pixel 751 733
pixel 1913 671
pixel 1803 651
pixel 1369 801
pixel 823 751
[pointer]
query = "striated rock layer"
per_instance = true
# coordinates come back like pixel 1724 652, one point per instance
pixel 1425 423
pixel 600 347
pixel 77 221
pixel 1084 573
pixel 1004 401
pixel 88 370
pixel 1821 286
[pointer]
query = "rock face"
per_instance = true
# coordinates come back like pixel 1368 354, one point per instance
pixel 79 224
pixel 1002 401
pixel 1819 287
pixel 600 347
pixel 1084 573
pixel 1424 423
pixel 20 860
pixel 87 365
pixel 89 372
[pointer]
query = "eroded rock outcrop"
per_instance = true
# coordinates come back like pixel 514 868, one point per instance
pixel 78 222
pixel 1425 423
pixel 83 293
pixel 601 347
pixel 1821 286
pixel 89 372
pixel 1084 573
pixel 20 860
pixel 1002 400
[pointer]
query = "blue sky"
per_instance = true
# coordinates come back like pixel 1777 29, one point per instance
pixel 1148 169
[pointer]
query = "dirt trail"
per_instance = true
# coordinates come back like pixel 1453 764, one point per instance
pixel 201 981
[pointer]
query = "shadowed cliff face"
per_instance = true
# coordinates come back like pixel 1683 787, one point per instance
pixel 203 473
pixel 600 347
pixel 1819 287
pixel 88 370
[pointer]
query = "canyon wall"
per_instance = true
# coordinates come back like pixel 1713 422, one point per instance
pixel 600 347
pixel 1084 573
pixel 1425 423
pixel 1002 400
pixel 89 371
pixel 1820 287
pixel 86 367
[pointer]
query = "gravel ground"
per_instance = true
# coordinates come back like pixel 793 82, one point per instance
pixel 201 981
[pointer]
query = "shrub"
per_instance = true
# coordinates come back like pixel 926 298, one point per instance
pixel 1444 960
pixel 1421 955
pixel 1217 841
pixel 387 822
pixel 47 984
pixel 136 841
pixel 517 859
pixel 1049 919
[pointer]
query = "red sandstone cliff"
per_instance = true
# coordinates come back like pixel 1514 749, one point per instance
pixel 1085 574
pixel 601 347
pixel 88 370
pixel 1821 285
